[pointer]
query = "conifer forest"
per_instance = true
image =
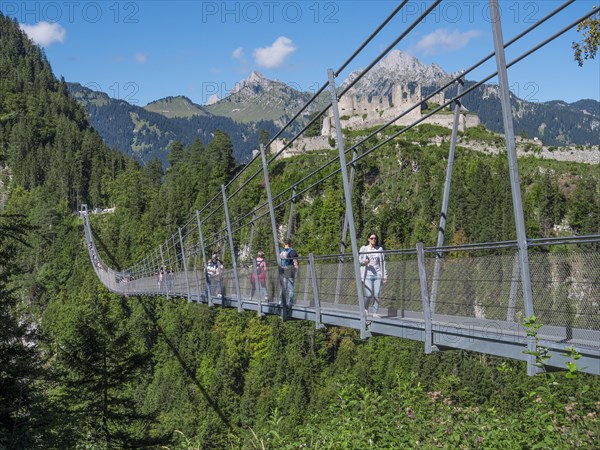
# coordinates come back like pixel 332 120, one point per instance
pixel 84 368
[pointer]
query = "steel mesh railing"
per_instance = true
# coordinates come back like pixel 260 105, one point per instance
pixel 479 283
pixel 481 287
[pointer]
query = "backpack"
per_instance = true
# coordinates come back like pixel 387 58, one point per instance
pixel 259 266
pixel 285 260
pixel 259 271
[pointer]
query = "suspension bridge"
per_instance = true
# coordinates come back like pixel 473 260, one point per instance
pixel 473 297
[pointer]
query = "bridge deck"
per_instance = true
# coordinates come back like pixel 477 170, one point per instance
pixel 495 337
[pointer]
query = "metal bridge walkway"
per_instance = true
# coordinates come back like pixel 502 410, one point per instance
pixel 472 297
pixel 477 303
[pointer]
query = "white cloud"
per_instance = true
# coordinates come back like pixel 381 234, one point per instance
pixel 238 54
pixel 274 56
pixel 141 58
pixel 45 33
pixel 442 40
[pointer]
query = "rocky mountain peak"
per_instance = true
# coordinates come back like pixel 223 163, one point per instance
pixel 213 99
pixel 396 68
pixel 255 79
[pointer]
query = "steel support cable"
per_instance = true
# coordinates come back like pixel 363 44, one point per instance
pixel 513 62
pixel 212 213
pixel 208 203
pixel 216 233
pixel 470 69
pixel 322 88
pixel 313 120
pixel 285 202
pixel 375 61
pixel 370 38
pixel 301 132
pixel 297 182
pixel 586 239
pixel 275 197
pixel 219 231
pixel 390 47
pixel 534 49
pixel 248 214
pixel 241 218
pixel 186 225
pixel 462 74
pixel 369 67
pixel 212 244
pixel 472 247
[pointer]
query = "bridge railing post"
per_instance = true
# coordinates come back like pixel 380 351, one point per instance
pixel 183 258
pixel 257 289
pixel 513 166
pixel 425 298
pixel 514 286
pixel 291 216
pixel 315 289
pixel 349 210
pixel 198 288
pixel 232 249
pixel 164 285
pixel 203 249
pixel 273 222
pixel 338 285
pixel 254 286
pixel 446 195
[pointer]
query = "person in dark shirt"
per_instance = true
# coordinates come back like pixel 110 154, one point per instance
pixel 289 266
pixel 213 270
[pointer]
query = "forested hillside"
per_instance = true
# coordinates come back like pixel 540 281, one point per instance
pixel 83 368
pixel 146 135
pixel 555 123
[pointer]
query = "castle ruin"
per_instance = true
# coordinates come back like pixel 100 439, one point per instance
pixel 362 112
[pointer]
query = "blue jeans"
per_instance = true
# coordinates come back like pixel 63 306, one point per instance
pixel 263 287
pixel 287 290
pixel 372 289
pixel 215 286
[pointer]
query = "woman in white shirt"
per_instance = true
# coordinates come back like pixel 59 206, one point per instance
pixel 372 271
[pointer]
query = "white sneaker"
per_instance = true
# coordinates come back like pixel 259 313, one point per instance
pixel 376 315
pixel 266 299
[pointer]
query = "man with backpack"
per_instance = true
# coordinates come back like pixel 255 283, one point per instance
pixel 289 266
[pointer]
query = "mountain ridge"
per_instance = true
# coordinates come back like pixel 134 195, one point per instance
pixel 145 135
pixel 257 102
pixel 176 106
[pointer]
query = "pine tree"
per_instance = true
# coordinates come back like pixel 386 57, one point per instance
pixel 21 406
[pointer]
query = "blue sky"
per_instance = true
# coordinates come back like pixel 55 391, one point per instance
pixel 140 51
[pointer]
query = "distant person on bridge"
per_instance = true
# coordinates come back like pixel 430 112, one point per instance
pixel 289 266
pixel 170 278
pixel 260 269
pixel 213 272
pixel 372 271
pixel 160 276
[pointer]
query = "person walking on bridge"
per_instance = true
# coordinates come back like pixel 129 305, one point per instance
pixel 289 266
pixel 213 270
pixel 372 271
pixel 260 269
